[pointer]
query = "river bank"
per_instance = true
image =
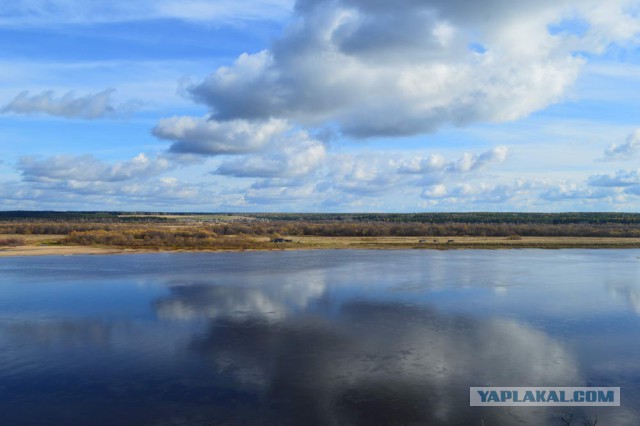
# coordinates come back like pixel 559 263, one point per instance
pixel 55 244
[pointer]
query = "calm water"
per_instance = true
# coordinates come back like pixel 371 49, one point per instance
pixel 319 337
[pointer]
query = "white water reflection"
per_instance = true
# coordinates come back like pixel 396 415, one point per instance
pixel 349 337
pixel 274 301
pixel 385 363
pixel 630 292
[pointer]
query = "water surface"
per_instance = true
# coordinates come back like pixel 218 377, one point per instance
pixel 314 337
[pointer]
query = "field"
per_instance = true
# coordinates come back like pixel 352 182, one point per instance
pixel 34 233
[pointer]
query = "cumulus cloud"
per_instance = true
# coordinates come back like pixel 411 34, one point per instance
pixel 69 180
pixel 422 165
pixel 364 175
pixel 626 150
pixel 470 162
pixel 573 191
pixel 436 163
pixel 435 191
pixel 194 135
pixel 620 179
pixel 378 173
pixel 87 168
pixel 69 105
pixel 342 180
pixel 376 70
pixel 303 170
pixel 138 194
pixel 294 156
pixel 479 192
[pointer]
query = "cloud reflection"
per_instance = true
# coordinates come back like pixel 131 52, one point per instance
pixel 630 292
pixel 273 301
pixel 385 363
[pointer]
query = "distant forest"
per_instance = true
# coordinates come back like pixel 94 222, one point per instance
pixel 426 218
pixel 101 227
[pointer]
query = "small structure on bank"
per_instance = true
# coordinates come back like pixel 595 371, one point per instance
pixel 281 240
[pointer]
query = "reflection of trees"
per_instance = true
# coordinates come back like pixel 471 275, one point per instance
pixel 384 363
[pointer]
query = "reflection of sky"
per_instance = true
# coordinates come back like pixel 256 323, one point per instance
pixel 413 328
pixel 381 363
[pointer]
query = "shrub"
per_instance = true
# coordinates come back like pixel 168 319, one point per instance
pixel 12 242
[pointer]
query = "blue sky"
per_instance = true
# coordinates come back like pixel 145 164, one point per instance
pixel 320 105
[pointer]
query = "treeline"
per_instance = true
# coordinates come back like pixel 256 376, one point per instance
pixel 326 229
pixel 470 218
pixel 80 217
pixel 512 218
pixel 385 229
pixel 52 228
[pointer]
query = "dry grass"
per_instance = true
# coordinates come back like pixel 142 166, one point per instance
pixel 444 243
pixel 32 240
pixel 69 237
pixel 57 245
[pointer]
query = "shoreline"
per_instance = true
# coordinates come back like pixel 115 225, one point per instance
pixel 344 243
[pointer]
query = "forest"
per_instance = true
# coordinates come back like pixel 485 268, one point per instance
pixel 593 218
pixel 260 230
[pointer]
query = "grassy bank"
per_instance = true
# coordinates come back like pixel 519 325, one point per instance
pixel 65 245
pixel 139 232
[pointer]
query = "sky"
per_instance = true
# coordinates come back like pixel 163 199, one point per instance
pixel 320 105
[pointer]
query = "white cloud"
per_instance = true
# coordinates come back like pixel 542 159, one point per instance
pixel 374 70
pixel 192 135
pixel 624 151
pixel 365 175
pixel 69 105
pixel 467 163
pixel 75 194
pixel 374 174
pixel 292 182
pixel 470 162
pixel 297 169
pixel 422 165
pixel 87 168
pixel 435 191
pixel 622 178
pixel 475 193
pixel 572 191
pixel 86 180
pixel 294 155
